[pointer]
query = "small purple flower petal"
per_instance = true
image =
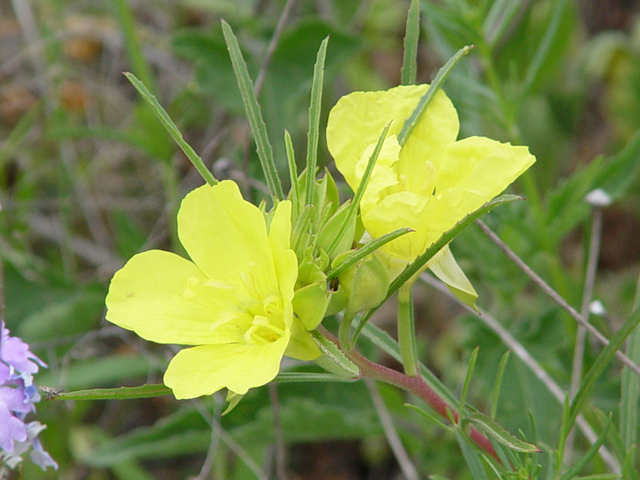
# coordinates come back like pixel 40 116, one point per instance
pixel 18 395
pixel 12 429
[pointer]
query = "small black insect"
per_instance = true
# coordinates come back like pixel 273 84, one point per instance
pixel 50 392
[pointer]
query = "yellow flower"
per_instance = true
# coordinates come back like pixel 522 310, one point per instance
pixel 430 183
pixel 232 303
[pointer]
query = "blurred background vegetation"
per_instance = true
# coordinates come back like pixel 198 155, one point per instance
pixel 88 177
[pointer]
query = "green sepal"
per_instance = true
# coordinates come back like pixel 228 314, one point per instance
pixel 365 283
pixel 310 303
pixel 233 399
pixel 332 228
pixel 311 268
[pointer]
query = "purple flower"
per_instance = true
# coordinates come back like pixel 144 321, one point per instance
pixel 18 395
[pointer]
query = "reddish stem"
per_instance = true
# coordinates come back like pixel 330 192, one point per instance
pixel 418 387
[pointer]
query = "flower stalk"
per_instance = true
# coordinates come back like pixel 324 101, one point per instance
pixel 407 331
pixel 415 385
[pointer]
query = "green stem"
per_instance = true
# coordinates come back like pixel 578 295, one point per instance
pixel 406 331
pixel 344 331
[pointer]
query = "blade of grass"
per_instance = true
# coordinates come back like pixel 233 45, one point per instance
pixel 601 362
pixel 132 43
pixel 586 458
pixel 472 459
pixel 630 389
pixel 171 127
pixel 254 114
pixel 544 48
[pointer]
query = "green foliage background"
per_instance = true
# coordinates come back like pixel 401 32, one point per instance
pixel 88 177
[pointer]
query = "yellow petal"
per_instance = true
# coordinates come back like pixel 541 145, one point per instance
pixel 483 166
pixel 227 237
pixel 357 120
pixel 203 370
pixel 285 261
pixel 162 298
pixel 400 210
pixel 445 267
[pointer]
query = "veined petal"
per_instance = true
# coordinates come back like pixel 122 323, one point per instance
pixel 285 261
pixel 482 165
pixel 163 298
pixel 400 210
pixel 356 121
pixel 226 237
pixel 203 370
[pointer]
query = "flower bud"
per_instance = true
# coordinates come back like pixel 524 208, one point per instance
pixel 365 284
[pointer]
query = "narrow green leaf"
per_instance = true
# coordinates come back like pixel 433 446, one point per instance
pixel 294 195
pixel 472 458
pixel 499 18
pixel 362 252
pixel 254 114
pixel 601 362
pixel 601 476
pixel 489 426
pixel 411 122
pixel 586 458
pixel 422 260
pixel 297 377
pixel 496 388
pixel 355 203
pixel 336 355
pixel 122 393
pixel 565 428
pixel 171 127
pixel 428 416
pixel 411 38
pixel 544 48
pixel 629 397
pixel 314 119
pixel 467 380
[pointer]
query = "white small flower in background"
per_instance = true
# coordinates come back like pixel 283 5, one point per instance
pixel 598 198
pixel 18 396
pixel 597 308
